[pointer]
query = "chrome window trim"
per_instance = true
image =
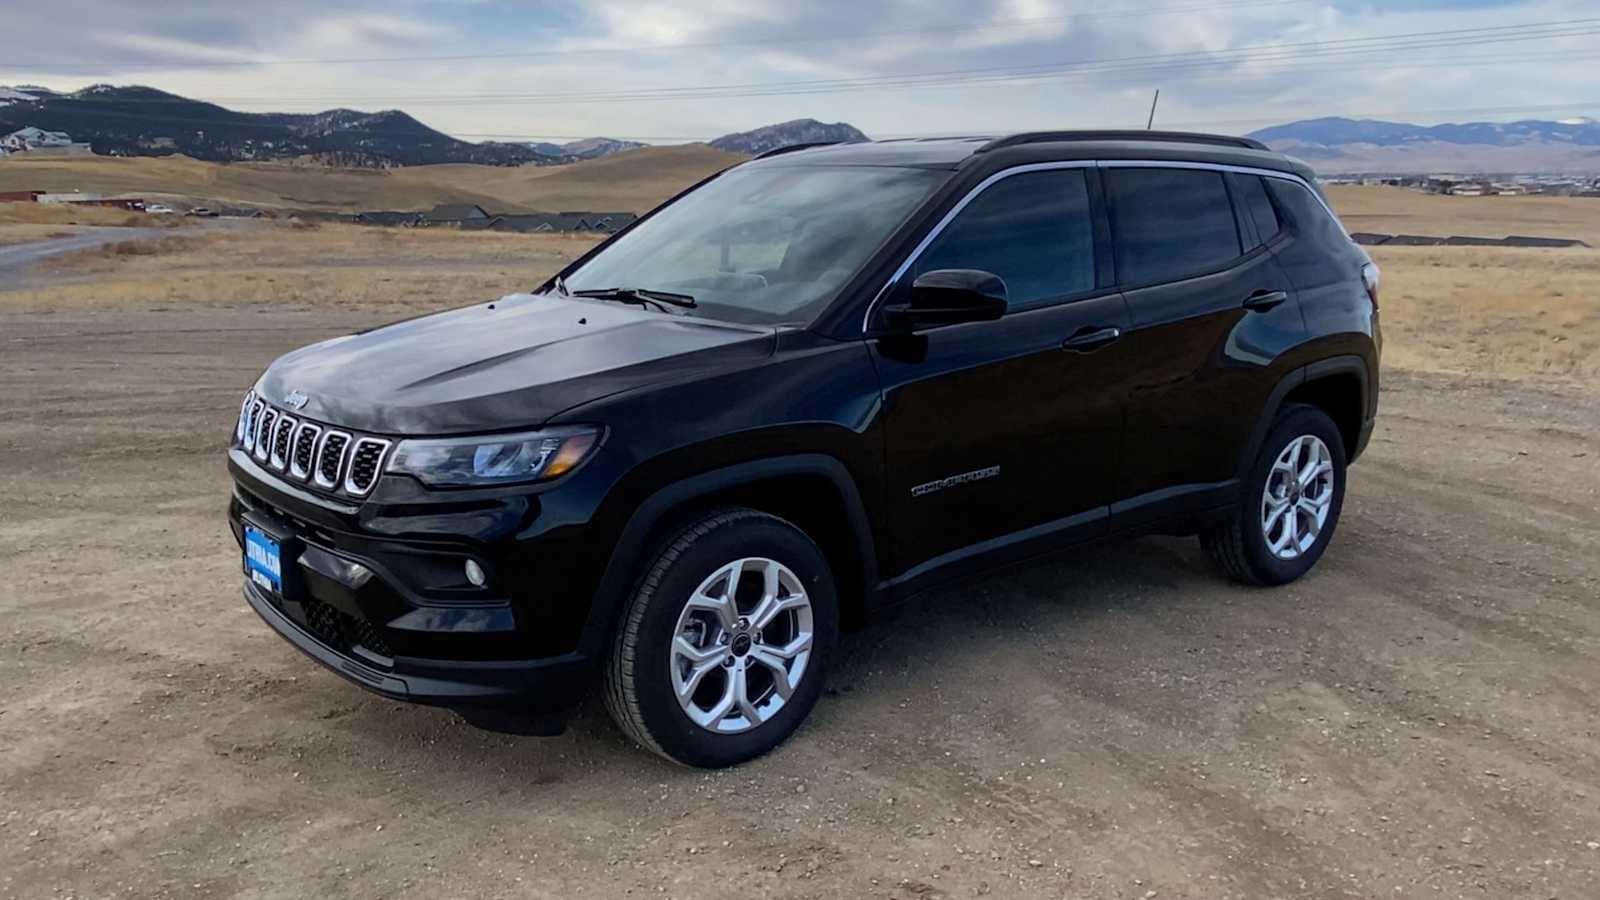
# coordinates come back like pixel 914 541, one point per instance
pixel 980 187
pixel 294 443
pixel 938 228
pixel 338 469
pixel 1222 167
pixel 377 465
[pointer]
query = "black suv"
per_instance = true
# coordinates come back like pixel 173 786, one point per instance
pixel 800 391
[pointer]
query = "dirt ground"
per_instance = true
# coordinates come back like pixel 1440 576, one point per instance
pixel 1420 717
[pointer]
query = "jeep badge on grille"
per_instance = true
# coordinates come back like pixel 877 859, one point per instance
pixel 296 400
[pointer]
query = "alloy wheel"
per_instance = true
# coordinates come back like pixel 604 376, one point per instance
pixel 742 645
pixel 1297 497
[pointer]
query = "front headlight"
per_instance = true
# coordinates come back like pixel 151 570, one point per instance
pixel 496 458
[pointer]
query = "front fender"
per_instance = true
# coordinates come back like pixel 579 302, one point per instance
pixel 648 516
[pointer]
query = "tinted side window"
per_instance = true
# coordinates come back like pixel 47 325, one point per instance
pixel 1307 214
pixel 1253 194
pixel 1033 230
pixel 1169 223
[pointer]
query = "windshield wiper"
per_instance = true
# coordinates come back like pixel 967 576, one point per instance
pixel 641 296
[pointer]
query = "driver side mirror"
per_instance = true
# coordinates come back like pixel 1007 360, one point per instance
pixel 948 297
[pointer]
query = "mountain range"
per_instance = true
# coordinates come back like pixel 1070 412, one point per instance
pixel 588 148
pixel 1369 145
pixel 785 134
pixel 143 121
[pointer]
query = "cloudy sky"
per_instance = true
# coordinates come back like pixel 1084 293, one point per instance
pixel 672 70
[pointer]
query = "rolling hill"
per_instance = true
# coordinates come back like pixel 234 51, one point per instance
pixel 798 131
pixel 632 181
pixel 142 121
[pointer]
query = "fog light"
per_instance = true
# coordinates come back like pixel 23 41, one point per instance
pixel 475 573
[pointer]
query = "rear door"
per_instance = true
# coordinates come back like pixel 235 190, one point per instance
pixel 1002 435
pixel 1212 313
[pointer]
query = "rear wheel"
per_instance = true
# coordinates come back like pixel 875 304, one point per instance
pixel 1290 505
pixel 722 650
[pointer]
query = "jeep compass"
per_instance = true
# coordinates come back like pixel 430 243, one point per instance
pixel 800 391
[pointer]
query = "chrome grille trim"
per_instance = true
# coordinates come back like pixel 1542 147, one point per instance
pixel 282 442
pixel 338 464
pixel 240 426
pixel 351 485
pixel 254 422
pixel 306 432
pixel 300 451
pixel 264 433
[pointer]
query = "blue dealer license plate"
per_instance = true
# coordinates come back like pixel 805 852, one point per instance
pixel 262 561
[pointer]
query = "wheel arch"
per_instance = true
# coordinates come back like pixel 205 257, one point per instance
pixel 814 491
pixel 1341 392
pixel 1338 386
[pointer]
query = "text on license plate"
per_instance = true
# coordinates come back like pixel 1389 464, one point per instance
pixel 261 560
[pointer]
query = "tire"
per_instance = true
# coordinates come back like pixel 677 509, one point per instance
pixel 1243 546
pixel 649 665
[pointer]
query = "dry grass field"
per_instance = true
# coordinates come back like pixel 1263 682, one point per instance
pixel 1392 210
pixel 627 182
pixel 1420 717
pixel 22 222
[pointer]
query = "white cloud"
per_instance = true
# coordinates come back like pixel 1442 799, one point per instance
pixel 573 48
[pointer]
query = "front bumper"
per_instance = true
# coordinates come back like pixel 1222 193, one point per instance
pixel 376 595
pixel 537 687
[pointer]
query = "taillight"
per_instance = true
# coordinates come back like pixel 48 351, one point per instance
pixel 1370 278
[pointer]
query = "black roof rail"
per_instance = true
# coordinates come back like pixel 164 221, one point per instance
pixel 790 148
pixel 1179 137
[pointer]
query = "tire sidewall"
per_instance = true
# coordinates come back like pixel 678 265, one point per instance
pixel 1293 424
pixel 662 716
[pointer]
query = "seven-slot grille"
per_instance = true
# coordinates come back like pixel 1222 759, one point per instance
pixel 305 452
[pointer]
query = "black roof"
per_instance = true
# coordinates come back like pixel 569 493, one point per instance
pixel 455 212
pixel 959 151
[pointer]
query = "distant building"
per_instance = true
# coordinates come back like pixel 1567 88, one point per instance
pixel 388 217
pixel 1522 240
pixel 453 213
pixel 131 204
pixel 31 138
pixel 1369 239
pixel 568 222
pixel 66 197
pixel 20 196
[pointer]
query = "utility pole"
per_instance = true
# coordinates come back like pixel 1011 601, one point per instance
pixel 1149 124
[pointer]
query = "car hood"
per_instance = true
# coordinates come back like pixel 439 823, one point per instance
pixel 513 363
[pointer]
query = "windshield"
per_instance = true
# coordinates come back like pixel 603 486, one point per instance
pixel 765 245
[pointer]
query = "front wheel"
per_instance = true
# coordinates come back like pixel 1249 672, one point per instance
pixel 723 648
pixel 1290 504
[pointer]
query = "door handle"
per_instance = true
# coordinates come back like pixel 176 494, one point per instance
pixel 1261 301
pixel 1091 337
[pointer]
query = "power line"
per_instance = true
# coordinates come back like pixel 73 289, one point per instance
pixel 649 48
pixel 1263 59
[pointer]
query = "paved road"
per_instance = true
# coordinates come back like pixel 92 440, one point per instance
pixel 16 257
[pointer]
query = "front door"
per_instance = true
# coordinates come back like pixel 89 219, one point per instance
pixel 1001 436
